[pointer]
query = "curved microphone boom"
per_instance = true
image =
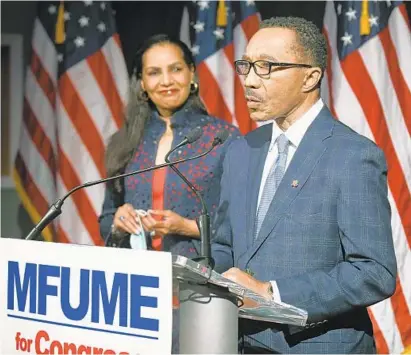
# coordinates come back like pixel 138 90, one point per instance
pixel 203 221
pixel 55 208
pixel 191 137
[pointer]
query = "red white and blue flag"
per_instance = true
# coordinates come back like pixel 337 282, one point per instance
pixel 368 87
pixel 76 87
pixel 218 33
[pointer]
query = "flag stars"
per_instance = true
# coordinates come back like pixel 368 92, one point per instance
pixel 339 9
pixel 195 50
pixel 83 21
pixel 67 16
pixel 373 20
pixel 219 33
pixel 250 2
pixel 199 26
pixel 60 57
pixel 79 42
pixel 347 39
pixel 351 14
pixel 203 4
pixel 101 27
pixel 103 6
pixel 88 3
pixel 52 9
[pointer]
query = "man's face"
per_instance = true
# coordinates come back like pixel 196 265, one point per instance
pixel 279 93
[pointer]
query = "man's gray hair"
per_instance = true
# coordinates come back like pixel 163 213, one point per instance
pixel 311 40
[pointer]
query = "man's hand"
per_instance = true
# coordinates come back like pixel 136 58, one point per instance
pixel 246 280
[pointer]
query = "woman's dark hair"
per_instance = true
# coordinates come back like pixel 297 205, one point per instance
pixel 123 143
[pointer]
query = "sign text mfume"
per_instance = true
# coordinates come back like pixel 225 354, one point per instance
pixel 90 307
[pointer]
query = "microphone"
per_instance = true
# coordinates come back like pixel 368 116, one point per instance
pixel 203 221
pixel 191 137
pixel 221 137
pixel 55 208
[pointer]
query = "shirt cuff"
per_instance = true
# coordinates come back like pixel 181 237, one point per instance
pixel 276 292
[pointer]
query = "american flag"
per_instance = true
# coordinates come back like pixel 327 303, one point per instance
pixel 368 87
pixel 218 33
pixel 76 87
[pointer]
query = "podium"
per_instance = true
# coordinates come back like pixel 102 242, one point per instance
pixel 77 299
pixel 209 309
pixel 65 296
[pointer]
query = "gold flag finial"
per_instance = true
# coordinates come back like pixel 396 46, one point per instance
pixel 60 35
pixel 365 28
pixel 221 14
pixel 407 349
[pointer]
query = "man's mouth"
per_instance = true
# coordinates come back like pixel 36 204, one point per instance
pixel 252 99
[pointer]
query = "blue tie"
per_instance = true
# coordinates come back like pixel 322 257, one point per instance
pixel 272 182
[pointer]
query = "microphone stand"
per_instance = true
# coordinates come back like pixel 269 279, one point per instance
pixel 203 221
pixel 205 311
pixel 55 209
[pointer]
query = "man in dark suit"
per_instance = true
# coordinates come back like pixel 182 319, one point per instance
pixel 303 203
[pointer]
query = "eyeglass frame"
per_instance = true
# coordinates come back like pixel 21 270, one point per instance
pixel 271 65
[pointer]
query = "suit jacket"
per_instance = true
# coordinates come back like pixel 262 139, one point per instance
pixel 326 238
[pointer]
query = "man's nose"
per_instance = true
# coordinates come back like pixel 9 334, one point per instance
pixel 252 80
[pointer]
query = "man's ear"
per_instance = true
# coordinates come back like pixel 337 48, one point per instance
pixel 142 85
pixel 312 79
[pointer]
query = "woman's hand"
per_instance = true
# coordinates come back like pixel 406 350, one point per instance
pixel 125 219
pixel 169 222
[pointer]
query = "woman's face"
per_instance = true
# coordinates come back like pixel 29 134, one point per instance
pixel 166 77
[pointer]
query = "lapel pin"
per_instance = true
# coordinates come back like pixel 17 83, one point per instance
pixel 294 183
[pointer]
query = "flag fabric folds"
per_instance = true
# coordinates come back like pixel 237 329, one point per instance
pixel 218 34
pixel 75 92
pixel 368 87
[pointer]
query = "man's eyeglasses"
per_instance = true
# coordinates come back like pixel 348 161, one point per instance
pixel 263 67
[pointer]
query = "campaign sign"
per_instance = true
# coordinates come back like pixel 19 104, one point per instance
pixel 72 299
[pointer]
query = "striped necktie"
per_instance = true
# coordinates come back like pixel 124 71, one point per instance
pixel 272 182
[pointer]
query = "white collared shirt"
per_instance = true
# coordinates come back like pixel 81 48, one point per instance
pixel 294 134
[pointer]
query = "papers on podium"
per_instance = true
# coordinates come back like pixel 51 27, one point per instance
pixel 264 310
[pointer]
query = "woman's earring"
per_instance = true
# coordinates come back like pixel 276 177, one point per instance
pixel 143 95
pixel 193 87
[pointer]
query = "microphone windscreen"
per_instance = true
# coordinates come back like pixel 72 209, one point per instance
pixel 221 137
pixel 194 135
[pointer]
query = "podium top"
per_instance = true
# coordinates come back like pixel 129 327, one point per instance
pixel 186 269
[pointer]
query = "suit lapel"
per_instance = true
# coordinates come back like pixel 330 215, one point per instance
pixel 305 159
